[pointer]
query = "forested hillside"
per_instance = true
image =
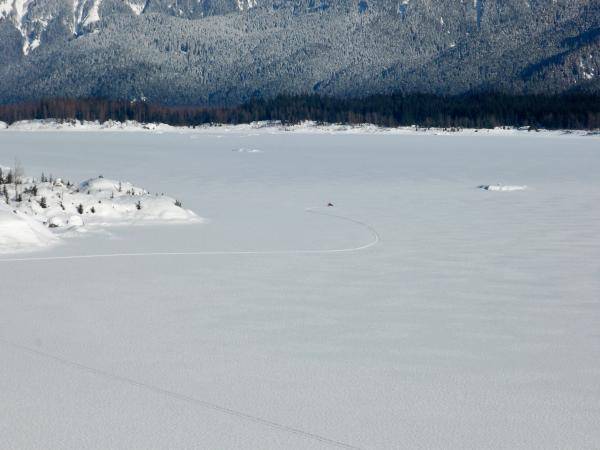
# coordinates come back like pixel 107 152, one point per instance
pixel 227 52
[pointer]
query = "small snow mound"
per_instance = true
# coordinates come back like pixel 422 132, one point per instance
pixel 56 222
pixel 104 185
pixel 502 188
pixel 75 221
pixel 162 208
pixel 248 150
pixel 99 184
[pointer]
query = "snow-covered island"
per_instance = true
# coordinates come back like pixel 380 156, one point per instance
pixel 36 212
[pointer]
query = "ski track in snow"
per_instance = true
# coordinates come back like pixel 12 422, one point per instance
pixel 375 240
pixel 181 397
pixel 186 398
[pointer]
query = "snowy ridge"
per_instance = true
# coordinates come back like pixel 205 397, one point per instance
pixel 31 19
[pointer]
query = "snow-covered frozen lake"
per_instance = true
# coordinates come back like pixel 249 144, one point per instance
pixel 473 323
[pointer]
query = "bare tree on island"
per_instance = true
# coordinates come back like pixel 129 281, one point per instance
pixel 18 173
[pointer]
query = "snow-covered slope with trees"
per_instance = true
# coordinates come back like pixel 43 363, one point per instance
pixel 227 51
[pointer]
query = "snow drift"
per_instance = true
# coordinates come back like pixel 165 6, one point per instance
pixel 19 232
pixel 500 187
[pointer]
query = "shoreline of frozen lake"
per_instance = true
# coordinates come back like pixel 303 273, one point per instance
pixel 307 127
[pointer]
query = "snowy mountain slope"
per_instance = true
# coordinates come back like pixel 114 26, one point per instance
pixel 227 51
pixel 33 19
pixel 43 22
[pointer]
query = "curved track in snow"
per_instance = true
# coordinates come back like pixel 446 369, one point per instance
pixel 183 397
pixel 374 241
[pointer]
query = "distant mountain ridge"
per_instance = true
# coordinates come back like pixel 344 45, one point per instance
pixel 36 20
pixel 228 51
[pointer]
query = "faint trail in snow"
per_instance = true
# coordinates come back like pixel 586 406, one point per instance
pixel 181 397
pixel 375 240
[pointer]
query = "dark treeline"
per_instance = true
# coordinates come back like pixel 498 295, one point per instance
pixel 473 111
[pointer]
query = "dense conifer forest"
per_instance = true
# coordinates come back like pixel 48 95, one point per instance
pixel 574 111
pixel 220 52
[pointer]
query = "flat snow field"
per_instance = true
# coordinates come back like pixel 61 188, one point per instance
pixel 474 322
